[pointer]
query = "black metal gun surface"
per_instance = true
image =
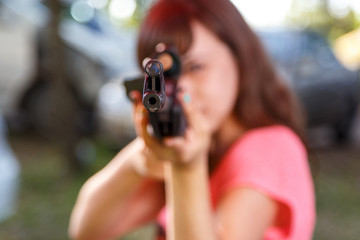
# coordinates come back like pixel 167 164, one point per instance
pixel 160 94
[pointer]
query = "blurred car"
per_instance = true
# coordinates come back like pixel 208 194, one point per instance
pixel 114 112
pixel 328 91
pixel 95 52
pixel 19 24
pixel 9 175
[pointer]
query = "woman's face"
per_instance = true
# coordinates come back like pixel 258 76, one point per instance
pixel 210 76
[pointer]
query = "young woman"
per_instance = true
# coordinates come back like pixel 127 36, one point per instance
pixel 239 172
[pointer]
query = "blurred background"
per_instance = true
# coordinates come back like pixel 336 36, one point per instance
pixel 64 111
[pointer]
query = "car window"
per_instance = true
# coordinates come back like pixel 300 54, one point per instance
pixel 303 55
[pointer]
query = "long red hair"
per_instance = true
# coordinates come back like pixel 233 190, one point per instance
pixel 263 97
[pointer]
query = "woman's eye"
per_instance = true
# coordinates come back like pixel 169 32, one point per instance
pixel 196 67
pixel 193 67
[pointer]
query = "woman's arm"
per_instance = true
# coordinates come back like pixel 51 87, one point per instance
pixel 242 214
pixel 117 199
pixel 188 198
pixel 245 213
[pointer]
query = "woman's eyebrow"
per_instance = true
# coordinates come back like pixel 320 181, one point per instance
pixel 194 57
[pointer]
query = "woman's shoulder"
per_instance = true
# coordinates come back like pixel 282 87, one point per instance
pixel 267 147
pixel 272 160
pixel 268 138
pixel 266 158
pixel 272 131
pixel 263 151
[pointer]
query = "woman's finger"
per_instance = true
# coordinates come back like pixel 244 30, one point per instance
pixel 141 121
pixel 135 96
pixel 138 116
pixel 149 140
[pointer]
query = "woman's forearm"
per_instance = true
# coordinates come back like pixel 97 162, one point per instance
pixel 114 201
pixel 188 196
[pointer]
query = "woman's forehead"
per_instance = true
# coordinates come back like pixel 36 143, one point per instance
pixel 204 42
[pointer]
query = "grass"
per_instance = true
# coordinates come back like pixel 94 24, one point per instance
pixel 48 194
pixel 338 194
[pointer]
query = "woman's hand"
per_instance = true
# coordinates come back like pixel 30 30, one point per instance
pixel 146 163
pixel 182 150
pixel 194 145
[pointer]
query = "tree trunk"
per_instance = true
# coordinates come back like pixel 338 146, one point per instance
pixel 62 99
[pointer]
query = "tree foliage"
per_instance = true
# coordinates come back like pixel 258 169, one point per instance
pixel 319 18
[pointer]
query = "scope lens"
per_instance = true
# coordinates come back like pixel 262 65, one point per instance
pixel 166 60
pixel 153 68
